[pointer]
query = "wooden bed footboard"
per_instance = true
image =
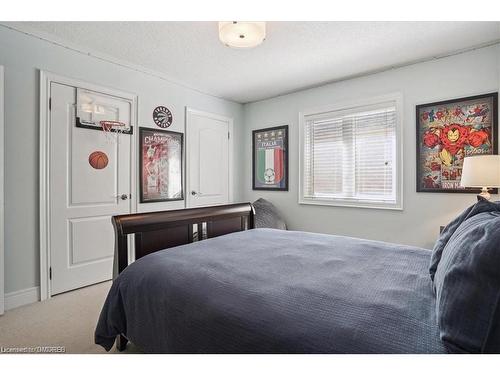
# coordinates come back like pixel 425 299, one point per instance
pixel 154 231
pixel 160 230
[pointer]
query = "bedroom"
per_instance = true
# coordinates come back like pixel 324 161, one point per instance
pixel 362 155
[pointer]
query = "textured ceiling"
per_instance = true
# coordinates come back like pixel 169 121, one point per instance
pixel 296 55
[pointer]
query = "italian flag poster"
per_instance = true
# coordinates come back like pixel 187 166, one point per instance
pixel 270 159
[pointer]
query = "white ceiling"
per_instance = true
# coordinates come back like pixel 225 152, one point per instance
pixel 295 55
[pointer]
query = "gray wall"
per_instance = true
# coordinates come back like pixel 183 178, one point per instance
pixel 22 57
pixel 452 77
pixel 467 74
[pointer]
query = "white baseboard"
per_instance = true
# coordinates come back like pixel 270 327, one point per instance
pixel 22 297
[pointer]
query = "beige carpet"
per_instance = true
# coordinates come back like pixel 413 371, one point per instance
pixel 67 320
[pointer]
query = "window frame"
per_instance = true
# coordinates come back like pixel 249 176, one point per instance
pixel 397 98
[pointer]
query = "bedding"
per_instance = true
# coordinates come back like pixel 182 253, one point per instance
pixel 274 291
pixel 483 205
pixel 467 282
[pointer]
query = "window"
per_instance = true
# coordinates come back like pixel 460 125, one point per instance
pixel 350 157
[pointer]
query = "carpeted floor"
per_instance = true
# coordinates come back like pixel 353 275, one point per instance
pixel 66 320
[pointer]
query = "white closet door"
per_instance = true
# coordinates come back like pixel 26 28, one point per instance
pixel 207 158
pixel 84 195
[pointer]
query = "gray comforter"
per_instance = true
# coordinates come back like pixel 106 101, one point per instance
pixel 273 291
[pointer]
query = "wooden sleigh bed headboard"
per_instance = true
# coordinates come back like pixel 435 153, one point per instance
pixel 160 230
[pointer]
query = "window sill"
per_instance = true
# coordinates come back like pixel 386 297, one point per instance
pixel 353 204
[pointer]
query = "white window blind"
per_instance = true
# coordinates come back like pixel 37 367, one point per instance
pixel 351 156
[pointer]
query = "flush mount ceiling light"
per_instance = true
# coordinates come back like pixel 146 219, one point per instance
pixel 242 34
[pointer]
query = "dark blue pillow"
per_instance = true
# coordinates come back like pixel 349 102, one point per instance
pixel 482 205
pixel 467 283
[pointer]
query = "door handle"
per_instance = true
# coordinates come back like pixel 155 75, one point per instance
pixel 123 197
pixel 193 192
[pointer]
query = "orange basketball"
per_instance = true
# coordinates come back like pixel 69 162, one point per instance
pixel 98 160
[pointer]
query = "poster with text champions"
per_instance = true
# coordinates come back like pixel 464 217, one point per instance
pixel 161 165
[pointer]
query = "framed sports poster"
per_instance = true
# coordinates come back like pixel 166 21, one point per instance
pixel 160 165
pixel 270 158
pixel 449 131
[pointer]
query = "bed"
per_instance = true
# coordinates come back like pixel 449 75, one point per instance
pixel 243 290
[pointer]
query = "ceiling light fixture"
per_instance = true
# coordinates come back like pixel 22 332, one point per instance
pixel 239 34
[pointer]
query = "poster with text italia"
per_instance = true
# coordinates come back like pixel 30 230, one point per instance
pixel 270 159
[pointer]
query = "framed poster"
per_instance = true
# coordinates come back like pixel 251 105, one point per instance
pixel 270 158
pixel 160 165
pixel 449 131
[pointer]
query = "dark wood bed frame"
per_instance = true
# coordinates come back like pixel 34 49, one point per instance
pixel 154 231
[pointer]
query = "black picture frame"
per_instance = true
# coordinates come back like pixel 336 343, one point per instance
pixel 255 134
pixel 494 140
pixel 180 136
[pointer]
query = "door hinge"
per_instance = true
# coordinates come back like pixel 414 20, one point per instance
pixel 50 273
pixel 50 104
pixel 228 135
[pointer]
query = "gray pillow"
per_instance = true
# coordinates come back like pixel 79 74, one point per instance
pixel 267 216
pixel 482 205
pixel 467 282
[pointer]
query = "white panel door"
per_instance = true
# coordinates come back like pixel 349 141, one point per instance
pixel 207 158
pixel 82 197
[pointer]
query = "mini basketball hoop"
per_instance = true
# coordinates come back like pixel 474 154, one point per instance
pixel 113 129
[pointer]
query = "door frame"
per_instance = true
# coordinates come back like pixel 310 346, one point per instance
pixel 230 121
pixel 2 221
pixel 46 79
